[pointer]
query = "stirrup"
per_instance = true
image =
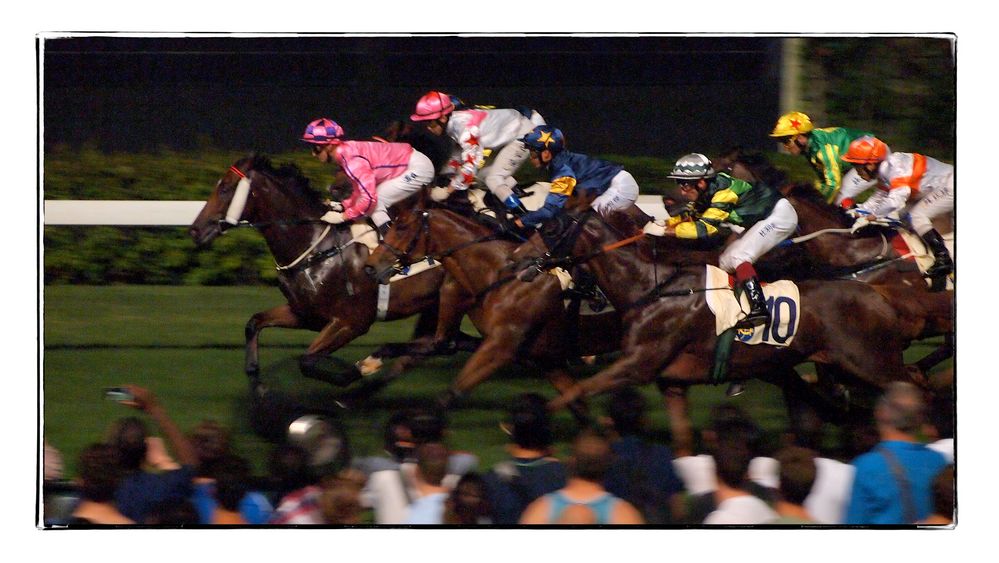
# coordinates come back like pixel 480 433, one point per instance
pixel 751 320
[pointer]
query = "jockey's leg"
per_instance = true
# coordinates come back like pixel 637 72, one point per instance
pixel 418 174
pixel 937 202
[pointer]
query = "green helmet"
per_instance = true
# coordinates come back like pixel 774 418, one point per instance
pixel 693 166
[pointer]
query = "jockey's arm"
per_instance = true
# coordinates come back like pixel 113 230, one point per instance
pixel 560 191
pixel 882 202
pixel 362 201
pixel 831 174
pixel 470 161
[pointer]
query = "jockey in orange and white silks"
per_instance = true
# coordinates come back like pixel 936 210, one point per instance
pixel 381 174
pixel 475 130
pixel 916 187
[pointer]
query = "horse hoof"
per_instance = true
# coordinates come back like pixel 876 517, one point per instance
pixel 735 389
pixel 589 360
pixel 369 366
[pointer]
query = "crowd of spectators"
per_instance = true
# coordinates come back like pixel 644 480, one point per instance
pixel 617 473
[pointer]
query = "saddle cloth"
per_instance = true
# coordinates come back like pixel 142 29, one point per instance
pixel 783 301
pixel 909 245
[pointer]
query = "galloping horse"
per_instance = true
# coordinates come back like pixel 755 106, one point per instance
pixel 320 268
pixel 870 256
pixel 670 331
pixel 516 317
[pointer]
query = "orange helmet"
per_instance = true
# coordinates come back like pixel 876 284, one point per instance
pixel 794 123
pixel 866 150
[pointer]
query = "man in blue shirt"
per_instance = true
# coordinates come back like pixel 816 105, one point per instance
pixel 893 482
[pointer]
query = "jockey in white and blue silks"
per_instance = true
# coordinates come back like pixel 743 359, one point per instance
pixel 475 130
pixel 570 171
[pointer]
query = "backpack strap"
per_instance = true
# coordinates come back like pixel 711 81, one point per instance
pixel 898 472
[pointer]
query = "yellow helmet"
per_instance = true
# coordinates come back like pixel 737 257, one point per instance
pixel 794 123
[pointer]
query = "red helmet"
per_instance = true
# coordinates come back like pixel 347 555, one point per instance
pixel 432 106
pixel 323 132
pixel 866 150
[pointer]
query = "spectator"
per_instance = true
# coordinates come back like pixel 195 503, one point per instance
pixel 100 475
pixel 431 467
pixel 142 489
pixel 52 463
pixel 642 472
pixel 173 513
pixel 391 484
pixel 893 483
pixel 467 505
pixel 232 476
pixel 698 472
pixel 211 444
pixel 826 502
pixel 943 499
pixel 734 444
pixel 940 430
pixel 340 502
pixel 298 487
pixel 591 459
pixel 530 471
pixel 797 476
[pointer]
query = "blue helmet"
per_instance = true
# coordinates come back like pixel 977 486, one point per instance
pixel 545 137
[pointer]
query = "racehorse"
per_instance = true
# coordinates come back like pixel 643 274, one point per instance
pixel 320 269
pixel 824 248
pixel 670 331
pixel 517 314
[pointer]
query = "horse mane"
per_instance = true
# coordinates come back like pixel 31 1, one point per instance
pixel 287 173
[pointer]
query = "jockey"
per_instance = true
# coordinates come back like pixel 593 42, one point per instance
pixel 824 148
pixel 918 187
pixel 756 210
pixel 475 130
pixel 381 174
pixel 616 187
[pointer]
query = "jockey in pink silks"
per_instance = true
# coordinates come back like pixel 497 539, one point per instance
pixel 382 174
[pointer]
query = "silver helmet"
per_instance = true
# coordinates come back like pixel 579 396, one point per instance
pixel 693 166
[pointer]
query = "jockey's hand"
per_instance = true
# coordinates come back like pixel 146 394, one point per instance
pixel 857 212
pixel 655 228
pixel 334 205
pixel 334 217
pixel 440 194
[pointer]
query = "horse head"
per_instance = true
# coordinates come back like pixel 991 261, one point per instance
pixel 251 190
pixel 404 240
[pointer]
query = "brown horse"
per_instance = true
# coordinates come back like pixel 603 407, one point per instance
pixel 826 249
pixel 320 268
pixel 518 315
pixel 670 332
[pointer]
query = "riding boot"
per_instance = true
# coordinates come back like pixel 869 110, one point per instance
pixel 758 313
pixel 942 262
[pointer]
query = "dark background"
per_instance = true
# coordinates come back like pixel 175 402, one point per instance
pixel 654 96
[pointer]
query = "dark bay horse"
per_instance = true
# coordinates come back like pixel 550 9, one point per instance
pixel 670 332
pixel 826 249
pixel 517 318
pixel 320 269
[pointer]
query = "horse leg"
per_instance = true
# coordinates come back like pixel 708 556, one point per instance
pixel 562 381
pixel 638 365
pixel 317 363
pixel 678 410
pixel 943 352
pixel 495 352
pixel 281 317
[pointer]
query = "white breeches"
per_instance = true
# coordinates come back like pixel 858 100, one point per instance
pixel 419 173
pixel 935 200
pixel 498 176
pixel 622 194
pixel 761 237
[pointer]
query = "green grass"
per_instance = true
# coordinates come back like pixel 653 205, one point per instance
pixel 186 344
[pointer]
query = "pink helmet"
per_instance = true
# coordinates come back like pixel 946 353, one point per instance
pixel 432 106
pixel 323 132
